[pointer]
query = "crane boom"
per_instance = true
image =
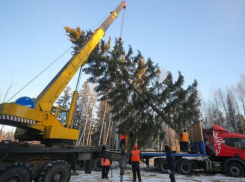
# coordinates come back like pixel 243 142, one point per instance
pixel 52 91
pixel 44 121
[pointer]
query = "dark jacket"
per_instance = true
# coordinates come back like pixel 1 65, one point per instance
pixel 170 160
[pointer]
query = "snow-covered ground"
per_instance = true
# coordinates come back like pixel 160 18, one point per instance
pixel 152 175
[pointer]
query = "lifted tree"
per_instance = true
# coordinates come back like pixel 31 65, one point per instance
pixel 137 97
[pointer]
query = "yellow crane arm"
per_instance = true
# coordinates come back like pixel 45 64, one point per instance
pixel 48 96
pixel 42 123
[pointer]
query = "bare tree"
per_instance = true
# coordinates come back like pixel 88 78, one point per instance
pixel 94 98
pixel 223 102
pixel 240 90
pixel 5 94
pixel 7 135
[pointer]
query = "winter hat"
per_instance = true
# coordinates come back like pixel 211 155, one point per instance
pixel 166 148
pixel 135 147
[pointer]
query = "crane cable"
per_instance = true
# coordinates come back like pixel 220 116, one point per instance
pixel 47 68
pixel 122 24
pixel 39 74
pixel 120 38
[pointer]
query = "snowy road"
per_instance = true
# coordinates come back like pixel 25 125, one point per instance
pixel 152 175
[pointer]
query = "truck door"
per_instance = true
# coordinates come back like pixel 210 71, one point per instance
pixel 239 147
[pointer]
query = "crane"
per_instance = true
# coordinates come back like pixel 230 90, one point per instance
pixel 41 120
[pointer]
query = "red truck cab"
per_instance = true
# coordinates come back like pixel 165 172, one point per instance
pixel 227 148
pixel 228 144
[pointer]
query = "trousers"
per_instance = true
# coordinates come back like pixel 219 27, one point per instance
pixel 122 143
pixel 136 169
pixel 172 177
pixel 105 171
pixel 184 146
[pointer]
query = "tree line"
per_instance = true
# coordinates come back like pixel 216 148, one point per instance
pixel 226 107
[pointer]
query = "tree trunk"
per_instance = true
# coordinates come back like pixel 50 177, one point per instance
pixel 101 131
pixel 86 121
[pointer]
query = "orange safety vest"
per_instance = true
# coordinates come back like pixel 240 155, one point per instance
pixel 105 162
pixel 185 137
pixel 135 155
pixel 123 136
pixel 180 139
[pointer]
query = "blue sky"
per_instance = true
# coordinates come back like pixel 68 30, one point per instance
pixel 205 40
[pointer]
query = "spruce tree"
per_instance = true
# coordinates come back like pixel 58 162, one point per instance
pixel 137 98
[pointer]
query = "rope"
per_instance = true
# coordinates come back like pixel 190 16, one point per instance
pixel 39 73
pixel 123 17
pixel 79 76
pixel 100 22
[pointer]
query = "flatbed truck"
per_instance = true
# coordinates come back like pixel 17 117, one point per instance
pixel 212 150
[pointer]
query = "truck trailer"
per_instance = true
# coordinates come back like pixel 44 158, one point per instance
pixel 212 150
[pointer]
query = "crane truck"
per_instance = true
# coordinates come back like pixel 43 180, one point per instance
pixel 212 150
pixel 39 120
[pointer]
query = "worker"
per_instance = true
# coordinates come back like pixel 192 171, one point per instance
pixel 180 138
pixel 184 140
pixel 135 157
pixel 105 163
pixel 122 140
pixel 171 162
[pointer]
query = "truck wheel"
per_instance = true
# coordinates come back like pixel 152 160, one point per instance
pixel 97 165
pixel 81 166
pixel 235 170
pixel 57 171
pixel 156 162
pixel 162 165
pixel 185 167
pixel 17 172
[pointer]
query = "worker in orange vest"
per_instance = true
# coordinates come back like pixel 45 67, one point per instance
pixel 135 157
pixel 122 140
pixel 105 163
pixel 180 143
pixel 184 140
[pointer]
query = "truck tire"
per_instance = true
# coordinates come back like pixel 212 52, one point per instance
pixel 81 166
pixel 235 170
pixel 59 171
pixel 17 172
pixel 156 160
pixel 97 165
pixel 185 167
pixel 162 165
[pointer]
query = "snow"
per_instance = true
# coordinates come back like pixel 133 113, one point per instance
pixel 152 175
